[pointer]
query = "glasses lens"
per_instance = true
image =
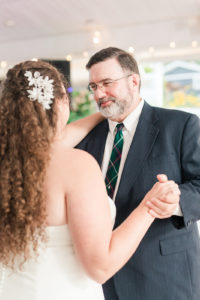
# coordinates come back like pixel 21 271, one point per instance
pixel 92 87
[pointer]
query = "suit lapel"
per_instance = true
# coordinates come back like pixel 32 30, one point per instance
pixel 142 144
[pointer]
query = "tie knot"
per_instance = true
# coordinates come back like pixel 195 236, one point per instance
pixel 119 126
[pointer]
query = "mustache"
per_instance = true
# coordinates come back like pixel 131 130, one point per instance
pixel 103 100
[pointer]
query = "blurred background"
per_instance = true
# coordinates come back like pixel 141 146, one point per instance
pixel 164 37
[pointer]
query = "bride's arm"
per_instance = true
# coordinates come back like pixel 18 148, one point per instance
pixel 103 251
pixel 77 130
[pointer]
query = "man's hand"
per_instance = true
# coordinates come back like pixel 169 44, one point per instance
pixel 163 198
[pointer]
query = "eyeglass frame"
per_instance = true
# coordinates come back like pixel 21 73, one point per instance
pixel 101 84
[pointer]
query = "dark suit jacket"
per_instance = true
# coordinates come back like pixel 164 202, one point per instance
pixel 166 265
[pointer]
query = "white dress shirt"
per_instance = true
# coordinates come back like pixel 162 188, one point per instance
pixel 130 125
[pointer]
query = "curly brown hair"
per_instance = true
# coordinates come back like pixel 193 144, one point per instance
pixel 25 138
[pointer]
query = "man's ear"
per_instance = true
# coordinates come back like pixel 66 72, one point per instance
pixel 136 79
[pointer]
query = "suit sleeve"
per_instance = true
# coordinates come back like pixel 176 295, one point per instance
pixel 190 169
pixel 83 144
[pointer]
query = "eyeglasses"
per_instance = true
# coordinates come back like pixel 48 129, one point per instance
pixel 106 84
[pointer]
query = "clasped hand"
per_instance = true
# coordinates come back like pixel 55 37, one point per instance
pixel 163 199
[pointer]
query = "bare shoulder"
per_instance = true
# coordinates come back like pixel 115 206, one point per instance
pixel 70 159
pixel 79 162
pixel 80 169
pixel 78 156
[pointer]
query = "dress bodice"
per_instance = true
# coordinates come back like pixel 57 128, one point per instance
pixel 55 274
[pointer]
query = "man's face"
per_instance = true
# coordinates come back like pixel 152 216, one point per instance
pixel 115 89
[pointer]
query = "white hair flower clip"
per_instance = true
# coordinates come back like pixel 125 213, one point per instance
pixel 42 89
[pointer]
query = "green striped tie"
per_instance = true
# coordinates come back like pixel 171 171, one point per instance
pixel 114 163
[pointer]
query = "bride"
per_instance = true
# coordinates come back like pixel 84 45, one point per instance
pixel 56 238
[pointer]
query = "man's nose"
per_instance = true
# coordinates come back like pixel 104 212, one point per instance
pixel 99 93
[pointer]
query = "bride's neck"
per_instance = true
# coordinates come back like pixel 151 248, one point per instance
pixel 59 133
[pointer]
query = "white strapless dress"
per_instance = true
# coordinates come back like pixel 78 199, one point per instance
pixel 55 275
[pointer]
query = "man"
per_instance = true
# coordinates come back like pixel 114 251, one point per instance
pixel 166 266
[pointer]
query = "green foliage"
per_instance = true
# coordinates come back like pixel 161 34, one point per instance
pixel 148 69
pixel 82 105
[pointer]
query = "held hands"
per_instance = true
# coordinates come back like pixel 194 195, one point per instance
pixel 163 199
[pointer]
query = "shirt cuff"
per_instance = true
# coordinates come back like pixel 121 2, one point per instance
pixel 178 211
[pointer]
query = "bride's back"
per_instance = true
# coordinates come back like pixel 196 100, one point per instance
pixel 58 178
pixel 56 273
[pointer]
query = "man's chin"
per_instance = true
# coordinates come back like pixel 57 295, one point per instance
pixel 107 113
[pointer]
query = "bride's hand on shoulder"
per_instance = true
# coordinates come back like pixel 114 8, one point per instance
pixel 76 131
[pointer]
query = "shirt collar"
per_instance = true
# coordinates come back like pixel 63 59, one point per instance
pixel 130 120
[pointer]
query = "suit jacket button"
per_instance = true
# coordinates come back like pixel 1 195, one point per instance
pixel 189 223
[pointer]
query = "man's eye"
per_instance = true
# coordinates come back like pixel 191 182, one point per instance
pixel 93 86
pixel 107 83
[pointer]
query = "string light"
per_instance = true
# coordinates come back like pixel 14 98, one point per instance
pixel 3 64
pixel 96 37
pixel 194 44
pixel 172 44
pixel 68 57
pixel 95 40
pixel 131 50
